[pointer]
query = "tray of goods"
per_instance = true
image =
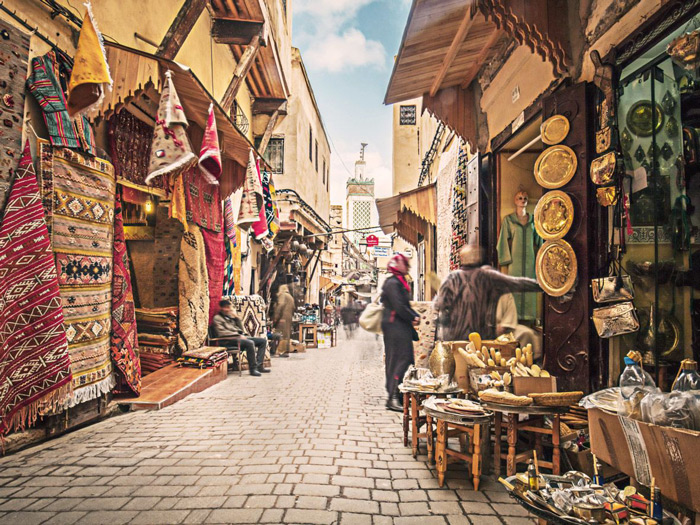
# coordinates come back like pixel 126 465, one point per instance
pixel 556 399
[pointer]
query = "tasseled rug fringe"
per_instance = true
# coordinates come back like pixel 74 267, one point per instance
pixel 88 393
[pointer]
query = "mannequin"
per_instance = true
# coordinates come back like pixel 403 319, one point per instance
pixel 517 247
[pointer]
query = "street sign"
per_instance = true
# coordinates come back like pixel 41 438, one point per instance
pixel 372 240
pixel 381 251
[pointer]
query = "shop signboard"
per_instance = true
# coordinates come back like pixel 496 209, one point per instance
pixel 372 240
pixel 381 251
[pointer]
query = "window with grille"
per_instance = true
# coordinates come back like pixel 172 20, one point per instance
pixel 274 154
pixel 362 214
pixel 407 115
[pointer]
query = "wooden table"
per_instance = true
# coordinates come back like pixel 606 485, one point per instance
pixel 412 403
pixel 466 428
pixel 534 424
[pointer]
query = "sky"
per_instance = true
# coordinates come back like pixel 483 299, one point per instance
pixel 348 48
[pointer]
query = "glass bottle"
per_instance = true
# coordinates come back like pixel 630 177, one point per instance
pixel 533 480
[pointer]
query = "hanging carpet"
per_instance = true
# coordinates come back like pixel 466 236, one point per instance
pixel 203 200
pixel 79 194
pixel 216 258
pixel 35 372
pixel 426 332
pixel 229 284
pixel 251 197
pixel 123 336
pixel 193 288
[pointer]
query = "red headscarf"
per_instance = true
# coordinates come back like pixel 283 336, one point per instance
pixel 393 268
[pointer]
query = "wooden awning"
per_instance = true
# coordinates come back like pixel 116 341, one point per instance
pixel 137 78
pixel 445 42
pixel 409 214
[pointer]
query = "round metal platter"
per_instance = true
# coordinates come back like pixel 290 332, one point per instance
pixel 554 215
pixel 556 267
pixel 555 166
pixel 639 118
pixel 554 129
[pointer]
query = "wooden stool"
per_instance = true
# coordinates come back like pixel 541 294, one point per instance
pixel 469 430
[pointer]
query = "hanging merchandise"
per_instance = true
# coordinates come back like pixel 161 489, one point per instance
pixel 556 267
pixel 216 261
pixel 34 362
pixel 603 169
pixel 14 50
pixel 554 215
pixel 178 203
pixel 271 211
pixel 210 154
pixel 639 118
pixel 229 286
pixel 555 166
pixel 607 196
pixel 680 224
pixel 171 151
pixel 459 209
pixel 251 197
pixel 49 74
pixel 685 51
pixel 193 287
pixel 617 319
pixel 555 129
pixel 123 334
pixel 90 71
pixel 259 227
pixel 202 200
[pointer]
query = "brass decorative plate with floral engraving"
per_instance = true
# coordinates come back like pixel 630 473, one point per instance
pixel 554 129
pixel 555 167
pixel 556 267
pixel 554 215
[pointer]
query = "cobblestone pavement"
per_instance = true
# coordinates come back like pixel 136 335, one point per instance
pixel 309 443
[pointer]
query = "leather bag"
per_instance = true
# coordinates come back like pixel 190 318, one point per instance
pixel 616 319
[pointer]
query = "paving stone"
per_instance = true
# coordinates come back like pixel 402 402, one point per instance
pixel 27 518
pixel 272 516
pixel 457 519
pixel 263 502
pixel 311 502
pixel 348 518
pixel 113 517
pixel 445 507
pixel 354 505
pixel 425 520
pixel 197 516
pixel 320 517
pixel 65 518
pixel 146 503
pixel 316 490
pixel 476 508
pixel 234 516
pixel 413 495
pixel 413 509
pixel 156 517
pixel 509 509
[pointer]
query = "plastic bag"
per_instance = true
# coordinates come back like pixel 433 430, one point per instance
pixel 674 409
pixel 629 401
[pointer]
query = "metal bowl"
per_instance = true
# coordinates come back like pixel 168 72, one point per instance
pixel 587 511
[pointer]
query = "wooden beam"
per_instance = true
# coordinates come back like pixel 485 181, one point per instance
pixel 461 34
pixel 268 132
pixel 267 106
pixel 481 58
pixel 241 71
pixel 180 28
pixel 226 30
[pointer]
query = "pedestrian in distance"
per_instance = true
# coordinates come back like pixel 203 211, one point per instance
pixel 228 327
pixel 398 322
pixel 282 316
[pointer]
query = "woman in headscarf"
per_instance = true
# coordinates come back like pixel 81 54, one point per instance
pixel 468 297
pixel 398 323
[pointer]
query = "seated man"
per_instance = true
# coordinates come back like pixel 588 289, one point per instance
pixel 228 326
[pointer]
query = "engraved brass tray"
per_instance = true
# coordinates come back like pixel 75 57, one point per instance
pixel 639 118
pixel 555 167
pixel 554 215
pixel 556 267
pixel 554 129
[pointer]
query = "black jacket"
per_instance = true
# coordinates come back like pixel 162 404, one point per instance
pixel 396 302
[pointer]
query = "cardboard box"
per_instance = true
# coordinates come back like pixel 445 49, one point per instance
pixel 665 453
pixel 475 373
pixel 507 349
pixel 583 462
pixel 297 347
pixel 523 386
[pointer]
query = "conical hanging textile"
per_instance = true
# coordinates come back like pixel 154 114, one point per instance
pixel 90 69
pixel 210 154
pixel 171 151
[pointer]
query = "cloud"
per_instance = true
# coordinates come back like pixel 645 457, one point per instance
pixel 339 52
pixel 325 8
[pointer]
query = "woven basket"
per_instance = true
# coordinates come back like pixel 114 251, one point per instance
pixel 505 398
pixel 556 399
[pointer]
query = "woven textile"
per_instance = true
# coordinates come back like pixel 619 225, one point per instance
pixel 79 192
pixel 167 254
pixel 203 200
pixel 459 210
pixel 252 312
pixel 123 345
pixel 34 363
pixel 426 332
pixel 216 259
pixel 271 211
pixel 14 51
pixel 259 227
pixel 252 196
pixel 206 357
pixel 194 291
pixel 210 154
pixel 229 285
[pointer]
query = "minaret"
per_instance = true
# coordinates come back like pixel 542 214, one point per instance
pixel 359 204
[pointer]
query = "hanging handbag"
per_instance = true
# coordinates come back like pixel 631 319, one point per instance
pixel 615 287
pixel 616 319
pixel 603 169
pixel 371 318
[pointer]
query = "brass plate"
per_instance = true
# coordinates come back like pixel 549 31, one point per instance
pixel 639 118
pixel 554 215
pixel 556 267
pixel 555 167
pixel 554 129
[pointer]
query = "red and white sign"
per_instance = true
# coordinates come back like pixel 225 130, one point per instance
pixel 372 240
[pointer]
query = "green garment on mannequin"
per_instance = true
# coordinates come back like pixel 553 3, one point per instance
pixel 517 248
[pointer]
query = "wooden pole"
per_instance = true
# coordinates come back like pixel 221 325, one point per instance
pixel 268 132
pixel 241 72
pixel 180 28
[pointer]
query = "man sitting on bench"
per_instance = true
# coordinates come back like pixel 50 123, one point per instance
pixel 228 326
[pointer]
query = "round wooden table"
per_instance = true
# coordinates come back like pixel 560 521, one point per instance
pixel 412 403
pixel 534 424
pixel 449 424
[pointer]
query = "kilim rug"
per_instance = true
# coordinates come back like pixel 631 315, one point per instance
pixel 123 335
pixel 426 332
pixel 79 193
pixel 203 200
pixel 252 197
pixel 14 55
pixel 460 219
pixel 229 285
pixel 216 258
pixel 35 372
pixel 167 253
pixel 194 291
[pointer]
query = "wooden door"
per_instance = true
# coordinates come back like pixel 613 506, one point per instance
pixel 572 349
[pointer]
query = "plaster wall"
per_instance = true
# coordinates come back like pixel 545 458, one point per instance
pixel 447 170
pixel 406 159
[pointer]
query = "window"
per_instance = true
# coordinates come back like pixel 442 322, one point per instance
pixel 407 115
pixel 274 154
pixel 323 173
pixel 311 145
pixel 316 156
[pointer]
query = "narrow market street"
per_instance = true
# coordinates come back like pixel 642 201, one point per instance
pixel 309 443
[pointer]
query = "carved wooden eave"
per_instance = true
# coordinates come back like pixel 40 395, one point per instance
pixel 540 25
pixel 456 107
